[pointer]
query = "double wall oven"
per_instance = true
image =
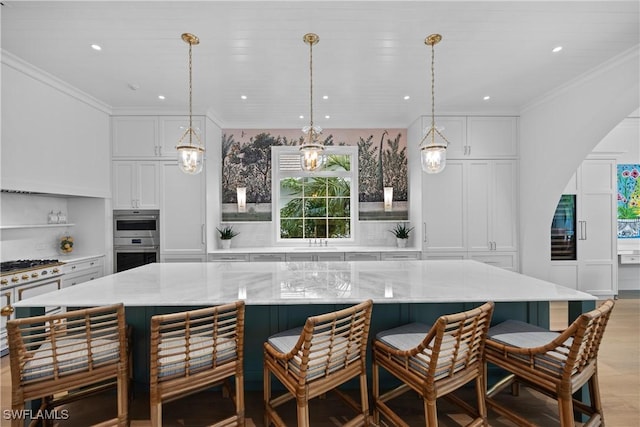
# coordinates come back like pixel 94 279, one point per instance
pixel 136 238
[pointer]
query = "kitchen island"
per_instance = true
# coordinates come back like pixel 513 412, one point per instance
pixel 281 295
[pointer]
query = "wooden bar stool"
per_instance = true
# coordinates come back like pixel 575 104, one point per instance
pixel 433 361
pixel 327 352
pixel 555 364
pixel 194 350
pixel 65 357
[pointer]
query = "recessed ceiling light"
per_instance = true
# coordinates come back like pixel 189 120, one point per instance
pixel 96 47
pixel 486 98
pixel 327 117
pixel 407 97
pixel 301 116
pixel 325 97
pixel 161 97
pixel 557 49
pixel 243 96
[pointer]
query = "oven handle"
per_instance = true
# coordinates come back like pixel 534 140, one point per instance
pixel 136 248
pixel 134 217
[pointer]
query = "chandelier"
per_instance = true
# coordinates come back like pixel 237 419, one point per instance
pixel 311 150
pixel 190 155
pixel 433 154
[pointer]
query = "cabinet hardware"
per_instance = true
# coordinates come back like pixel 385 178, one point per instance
pixel 424 232
pixel 4 282
pixel 202 234
pixel 7 310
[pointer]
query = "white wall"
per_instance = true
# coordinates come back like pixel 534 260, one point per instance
pixel 55 139
pixel 556 134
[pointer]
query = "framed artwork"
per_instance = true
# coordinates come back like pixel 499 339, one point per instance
pixel 628 201
pixel 246 170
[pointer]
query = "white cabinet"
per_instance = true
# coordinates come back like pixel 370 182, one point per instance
pixel 172 128
pixel 491 205
pixel 182 212
pixel 471 207
pixel 491 137
pixel 596 268
pixel 362 256
pixel 150 136
pixel 229 257
pixel 76 272
pixel 267 257
pixel 316 256
pixel 136 185
pixel 135 136
pixel 399 256
pixel 183 258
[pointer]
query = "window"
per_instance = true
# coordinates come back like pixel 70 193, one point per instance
pixel 315 205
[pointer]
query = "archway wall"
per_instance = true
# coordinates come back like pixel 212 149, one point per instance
pixel 556 133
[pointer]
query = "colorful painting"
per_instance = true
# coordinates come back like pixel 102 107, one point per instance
pixel 628 201
pixel 246 162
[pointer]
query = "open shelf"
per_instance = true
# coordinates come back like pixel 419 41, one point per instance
pixel 10 227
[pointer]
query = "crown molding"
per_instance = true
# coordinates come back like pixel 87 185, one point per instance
pixel 628 55
pixel 19 64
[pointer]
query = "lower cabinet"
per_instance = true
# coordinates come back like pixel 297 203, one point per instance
pixel 222 257
pixel 391 256
pixel 267 257
pixel 506 260
pixel 76 272
pixel 308 256
pixel 362 256
pixel 183 258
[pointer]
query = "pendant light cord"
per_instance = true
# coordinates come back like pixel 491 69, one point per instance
pixel 190 97
pixel 433 96
pixel 311 131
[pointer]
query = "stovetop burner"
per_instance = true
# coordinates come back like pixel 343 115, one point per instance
pixel 24 264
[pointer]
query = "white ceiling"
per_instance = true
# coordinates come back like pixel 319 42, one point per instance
pixel 370 55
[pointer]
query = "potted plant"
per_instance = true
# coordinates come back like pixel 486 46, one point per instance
pixel 401 231
pixel 226 234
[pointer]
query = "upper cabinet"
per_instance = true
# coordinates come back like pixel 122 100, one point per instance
pixel 492 137
pixel 478 137
pixel 150 136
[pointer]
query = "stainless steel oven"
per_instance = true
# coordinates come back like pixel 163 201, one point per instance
pixel 136 238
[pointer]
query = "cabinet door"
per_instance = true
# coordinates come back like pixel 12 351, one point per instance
pixel 504 185
pixel 596 211
pixel 443 206
pixel 362 256
pixel 267 257
pixel 124 184
pixel 492 137
pixel 172 129
pixel 135 136
pixel 479 205
pixel 334 256
pixel 454 129
pixel 148 186
pixel 182 215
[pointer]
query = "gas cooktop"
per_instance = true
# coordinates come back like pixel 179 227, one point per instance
pixel 27 264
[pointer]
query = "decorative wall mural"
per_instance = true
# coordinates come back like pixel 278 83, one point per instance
pixel 246 162
pixel 628 201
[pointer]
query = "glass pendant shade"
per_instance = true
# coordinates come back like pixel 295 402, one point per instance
pixel 190 159
pixel 311 157
pixel 433 158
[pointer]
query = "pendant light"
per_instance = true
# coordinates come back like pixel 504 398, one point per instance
pixel 312 157
pixel 190 155
pixel 433 155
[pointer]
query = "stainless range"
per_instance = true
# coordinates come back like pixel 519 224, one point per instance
pixel 23 279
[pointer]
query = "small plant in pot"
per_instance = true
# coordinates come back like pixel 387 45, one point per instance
pixel 226 234
pixel 401 231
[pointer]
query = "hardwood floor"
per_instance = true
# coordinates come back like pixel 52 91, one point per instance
pixel 619 370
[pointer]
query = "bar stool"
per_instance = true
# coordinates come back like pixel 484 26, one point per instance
pixel 433 361
pixel 194 350
pixel 555 364
pixel 310 361
pixel 68 356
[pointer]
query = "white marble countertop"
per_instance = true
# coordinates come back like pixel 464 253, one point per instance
pixel 308 249
pixel 284 283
